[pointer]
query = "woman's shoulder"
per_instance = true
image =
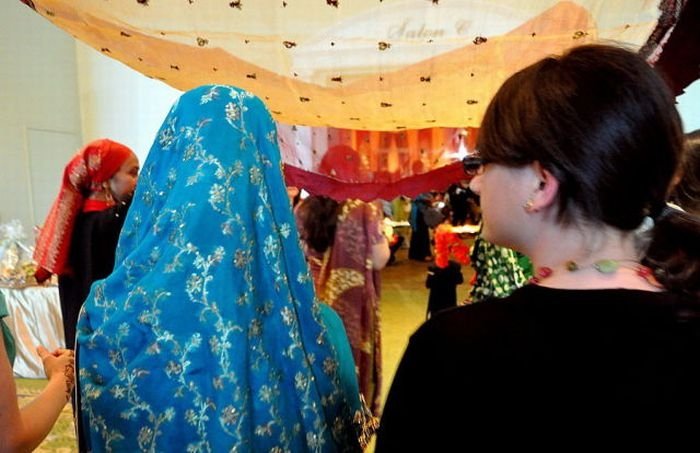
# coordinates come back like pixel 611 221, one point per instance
pixel 469 321
pixel 536 305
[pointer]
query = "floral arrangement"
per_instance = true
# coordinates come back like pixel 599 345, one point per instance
pixel 448 245
pixel 16 264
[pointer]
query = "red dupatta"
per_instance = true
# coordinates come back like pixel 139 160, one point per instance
pixel 84 174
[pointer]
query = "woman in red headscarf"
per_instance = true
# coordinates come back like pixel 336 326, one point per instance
pixel 79 237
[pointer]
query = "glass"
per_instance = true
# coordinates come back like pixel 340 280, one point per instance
pixel 473 165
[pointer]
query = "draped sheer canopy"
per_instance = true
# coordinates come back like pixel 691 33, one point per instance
pixel 374 68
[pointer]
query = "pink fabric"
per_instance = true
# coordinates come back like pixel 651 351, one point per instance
pixel 345 281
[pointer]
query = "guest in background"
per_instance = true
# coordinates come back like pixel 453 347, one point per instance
pixel 394 238
pixel 346 248
pixel 22 430
pixel 442 285
pixel 400 208
pixel 419 245
pixel 457 198
pixel 207 335
pixel 79 237
pixel 579 153
pixel 451 251
pixel 395 241
pixel 498 271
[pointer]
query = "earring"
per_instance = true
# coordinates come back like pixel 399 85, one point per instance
pixel 528 206
pixel 108 194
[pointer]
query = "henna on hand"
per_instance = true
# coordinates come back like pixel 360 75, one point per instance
pixel 69 374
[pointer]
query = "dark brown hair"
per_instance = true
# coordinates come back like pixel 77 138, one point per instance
pixel 686 194
pixel 674 252
pixel 602 121
pixel 319 217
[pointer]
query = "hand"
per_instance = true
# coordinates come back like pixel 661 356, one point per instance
pixel 59 364
pixel 41 275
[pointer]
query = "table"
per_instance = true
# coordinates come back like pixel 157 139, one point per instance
pixel 35 319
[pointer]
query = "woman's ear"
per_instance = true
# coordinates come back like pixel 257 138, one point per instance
pixel 547 187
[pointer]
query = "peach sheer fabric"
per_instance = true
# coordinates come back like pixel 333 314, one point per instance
pixel 376 65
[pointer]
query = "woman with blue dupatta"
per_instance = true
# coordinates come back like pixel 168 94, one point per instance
pixel 207 336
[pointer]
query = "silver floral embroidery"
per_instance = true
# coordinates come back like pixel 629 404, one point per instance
pixel 230 415
pixel 167 134
pixel 209 96
pixel 233 112
pixel 285 230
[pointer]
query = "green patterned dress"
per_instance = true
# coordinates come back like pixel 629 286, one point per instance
pixel 499 270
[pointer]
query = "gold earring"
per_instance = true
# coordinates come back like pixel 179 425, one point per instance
pixel 108 194
pixel 528 205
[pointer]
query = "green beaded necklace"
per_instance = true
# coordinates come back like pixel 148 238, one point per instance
pixel 604 266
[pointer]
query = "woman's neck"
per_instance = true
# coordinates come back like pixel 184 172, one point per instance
pixel 589 258
pixel 101 196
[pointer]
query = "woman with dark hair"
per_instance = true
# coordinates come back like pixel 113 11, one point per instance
pixel 345 248
pixel 578 155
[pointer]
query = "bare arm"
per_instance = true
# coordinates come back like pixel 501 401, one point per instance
pixel 24 429
pixel 380 252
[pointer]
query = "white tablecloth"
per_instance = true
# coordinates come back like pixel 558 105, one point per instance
pixel 35 319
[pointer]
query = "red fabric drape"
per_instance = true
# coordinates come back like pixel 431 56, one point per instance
pixel 345 163
pixel 318 184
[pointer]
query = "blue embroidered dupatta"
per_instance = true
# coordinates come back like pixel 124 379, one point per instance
pixel 207 335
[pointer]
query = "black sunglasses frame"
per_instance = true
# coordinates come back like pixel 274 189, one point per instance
pixel 472 165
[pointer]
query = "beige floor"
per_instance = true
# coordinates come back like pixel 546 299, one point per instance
pixel 403 302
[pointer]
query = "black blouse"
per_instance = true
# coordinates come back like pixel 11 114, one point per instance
pixel 544 359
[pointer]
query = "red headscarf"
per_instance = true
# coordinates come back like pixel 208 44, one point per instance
pixel 344 163
pixel 96 163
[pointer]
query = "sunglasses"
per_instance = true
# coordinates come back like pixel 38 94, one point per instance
pixel 473 165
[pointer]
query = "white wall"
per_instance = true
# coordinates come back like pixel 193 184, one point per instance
pixel 39 112
pixel 689 107
pixel 119 103
pixel 56 94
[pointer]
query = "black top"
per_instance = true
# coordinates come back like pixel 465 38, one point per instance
pixel 91 258
pixel 442 283
pixel 541 359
